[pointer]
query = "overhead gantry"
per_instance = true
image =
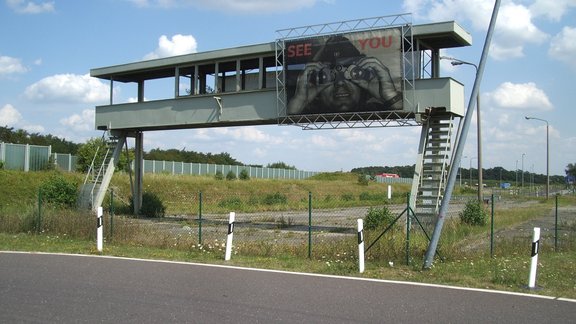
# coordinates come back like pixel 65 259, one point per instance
pixel 250 85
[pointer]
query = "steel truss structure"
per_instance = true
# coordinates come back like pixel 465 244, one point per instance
pixel 351 119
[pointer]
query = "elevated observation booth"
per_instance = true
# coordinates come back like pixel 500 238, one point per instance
pixel 392 65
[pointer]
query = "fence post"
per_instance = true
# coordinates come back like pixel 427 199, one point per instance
pixel 556 226
pixel 492 227
pixel 99 224
pixel 534 260
pixel 408 227
pixel 200 217
pixel 111 214
pixel 230 236
pixel 361 245
pixel 39 220
pixel 309 225
pixel 27 158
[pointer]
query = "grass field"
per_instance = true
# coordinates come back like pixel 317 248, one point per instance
pixel 467 261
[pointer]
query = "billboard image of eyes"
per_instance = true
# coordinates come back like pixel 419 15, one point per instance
pixel 352 72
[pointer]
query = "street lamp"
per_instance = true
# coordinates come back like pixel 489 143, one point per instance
pixel 516 174
pixel 454 62
pixel 472 158
pixel 547 153
pixel 464 157
pixel 523 170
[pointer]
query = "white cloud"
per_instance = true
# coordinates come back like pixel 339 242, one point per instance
pixel 34 128
pixel 68 88
pixel 31 7
pixel 9 116
pixel 553 10
pixel 520 96
pixel 246 6
pixel 514 30
pixel 563 46
pixel 323 141
pixel 256 6
pixel 249 134
pixel 177 45
pixel 80 122
pixel 11 65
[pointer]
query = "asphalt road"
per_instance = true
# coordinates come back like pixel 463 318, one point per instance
pixel 47 288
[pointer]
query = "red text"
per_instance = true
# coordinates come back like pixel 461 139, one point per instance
pixel 375 42
pixel 299 50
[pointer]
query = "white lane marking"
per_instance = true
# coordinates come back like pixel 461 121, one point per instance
pixel 410 283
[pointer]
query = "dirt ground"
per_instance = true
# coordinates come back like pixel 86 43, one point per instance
pixel 546 223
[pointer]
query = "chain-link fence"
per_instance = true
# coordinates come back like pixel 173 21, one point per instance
pixel 324 226
pixel 314 226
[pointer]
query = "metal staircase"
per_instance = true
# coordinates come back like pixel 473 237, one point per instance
pixel 430 176
pixel 100 172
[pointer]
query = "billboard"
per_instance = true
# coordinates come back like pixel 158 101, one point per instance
pixel 344 73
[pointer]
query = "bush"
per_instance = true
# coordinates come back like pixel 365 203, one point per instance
pixel 378 217
pixel 474 214
pixel 363 180
pixel 347 197
pixel 275 199
pixel 59 191
pixel 233 203
pixel 219 175
pixel 366 196
pixel 152 206
pixel 244 175
pixel 230 175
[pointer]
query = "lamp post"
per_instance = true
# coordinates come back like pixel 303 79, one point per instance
pixel 454 62
pixel 472 158
pixel 516 173
pixel 547 153
pixel 464 157
pixel 523 170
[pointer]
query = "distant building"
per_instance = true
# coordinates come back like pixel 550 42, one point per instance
pixel 388 175
pixel 505 185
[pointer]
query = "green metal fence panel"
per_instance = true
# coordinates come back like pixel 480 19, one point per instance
pixel 187 168
pixel 148 166
pixel 38 157
pixel 64 162
pixel 15 157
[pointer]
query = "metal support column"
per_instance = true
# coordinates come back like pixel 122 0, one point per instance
pixel 138 171
pixel 431 251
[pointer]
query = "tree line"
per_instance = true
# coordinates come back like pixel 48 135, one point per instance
pixel 86 152
pixel 497 173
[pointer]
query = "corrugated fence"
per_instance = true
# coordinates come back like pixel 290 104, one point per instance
pixel 35 157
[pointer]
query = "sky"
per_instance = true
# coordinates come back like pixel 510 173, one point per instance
pixel 47 49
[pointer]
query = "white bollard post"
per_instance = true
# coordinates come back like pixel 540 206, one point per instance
pixel 361 244
pixel 534 260
pixel 99 229
pixel 389 192
pixel 230 236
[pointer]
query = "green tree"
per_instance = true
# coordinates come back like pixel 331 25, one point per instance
pixel 571 169
pixel 474 214
pixel 97 147
pixel 59 191
pixel 230 175
pixel 244 175
pixel 281 165
pixel 93 149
